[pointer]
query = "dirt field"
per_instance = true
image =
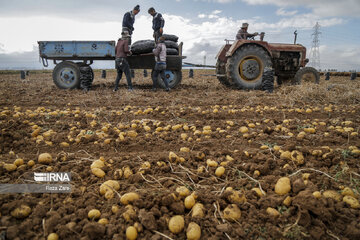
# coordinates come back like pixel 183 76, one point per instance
pixel 153 143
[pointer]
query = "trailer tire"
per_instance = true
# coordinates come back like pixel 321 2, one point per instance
pixel 66 75
pixel 170 37
pixel 306 73
pixel 86 75
pixel 174 78
pixel 142 46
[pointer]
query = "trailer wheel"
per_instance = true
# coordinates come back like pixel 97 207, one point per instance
pixel 245 68
pixel 66 75
pixel 173 77
pixel 306 74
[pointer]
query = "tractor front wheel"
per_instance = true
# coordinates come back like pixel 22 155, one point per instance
pixel 307 74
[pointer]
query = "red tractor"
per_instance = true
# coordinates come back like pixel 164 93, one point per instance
pixel 242 63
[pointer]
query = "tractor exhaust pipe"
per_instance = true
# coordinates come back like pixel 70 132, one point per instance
pixel 295 38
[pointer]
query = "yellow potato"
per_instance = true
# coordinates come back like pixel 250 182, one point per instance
pixel 183 191
pixel 64 144
pixel 198 211
pixel 129 213
pixel 283 186
pixel 184 149
pixel 193 231
pixel 173 157
pixel 317 194
pixel 332 194
pixel 353 202
pixel 285 155
pixel 45 158
pixel 114 209
pixel 176 224
pixel 131 233
pixel 10 167
pixel 109 186
pixel 97 164
pixel 31 163
pixel 189 202
pixel 258 191
pixel 94 214
pixel 232 212
pixel 347 192
pixel 244 129
pixel 297 157
pixel 103 221
pixel 98 172
pixel 129 197
pixel 53 236
pixel 21 212
pixel 272 212
pixel 237 197
pixel 220 171
pixel 287 201
pixel 18 162
pixel 211 163
pixel 127 172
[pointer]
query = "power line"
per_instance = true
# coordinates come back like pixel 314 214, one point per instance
pixel 315 48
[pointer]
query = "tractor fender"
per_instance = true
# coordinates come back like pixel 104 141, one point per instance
pixel 240 43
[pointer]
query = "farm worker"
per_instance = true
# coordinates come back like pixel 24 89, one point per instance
pixel 122 65
pixel 243 33
pixel 158 23
pixel 160 66
pixel 129 20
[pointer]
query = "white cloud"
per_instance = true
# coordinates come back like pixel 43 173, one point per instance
pixel 324 8
pixel 202 16
pixel 283 12
pixel 216 12
pixel 2 48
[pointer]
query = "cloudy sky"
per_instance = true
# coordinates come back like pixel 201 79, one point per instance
pixel 201 24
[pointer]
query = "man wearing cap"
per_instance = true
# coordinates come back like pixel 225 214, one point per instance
pixel 122 65
pixel 129 20
pixel 243 34
pixel 158 23
pixel 160 66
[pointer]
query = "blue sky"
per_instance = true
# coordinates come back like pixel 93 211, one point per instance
pixel 201 24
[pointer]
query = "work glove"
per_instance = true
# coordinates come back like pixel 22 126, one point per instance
pixel 161 30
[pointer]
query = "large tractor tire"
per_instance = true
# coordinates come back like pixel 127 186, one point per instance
pixel 307 74
pixel 86 75
pixel 246 66
pixel 66 75
pixel 173 77
pixel 221 70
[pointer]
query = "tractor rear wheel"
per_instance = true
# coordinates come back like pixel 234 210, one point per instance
pixel 246 67
pixel 306 74
pixel 66 75
pixel 221 70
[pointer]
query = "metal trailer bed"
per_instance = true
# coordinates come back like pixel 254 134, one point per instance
pixel 72 56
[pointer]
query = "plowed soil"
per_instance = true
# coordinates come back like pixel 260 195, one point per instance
pixel 139 129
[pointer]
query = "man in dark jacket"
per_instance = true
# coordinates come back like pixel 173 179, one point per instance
pixel 129 20
pixel 243 33
pixel 158 23
pixel 160 66
pixel 122 65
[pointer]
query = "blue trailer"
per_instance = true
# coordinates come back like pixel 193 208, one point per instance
pixel 73 61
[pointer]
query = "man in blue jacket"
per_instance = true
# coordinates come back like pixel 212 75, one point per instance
pixel 158 23
pixel 129 20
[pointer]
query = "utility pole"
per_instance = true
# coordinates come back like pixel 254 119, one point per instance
pixel 315 48
pixel 204 61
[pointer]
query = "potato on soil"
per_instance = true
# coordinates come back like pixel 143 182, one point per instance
pixel 220 171
pixel 272 212
pixel 10 167
pixel 317 194
pixel 347 192
pixel 237 197
pixel 332 194
pixel 53 236
pixel 98 172
pixel 21 212
pixel 189 202
pixel 232 212
pixel 129 213
pixel 353 202
pixel 176 224
pixel 258 192
pixel 183 191
pixel 131 233
pixel 94 214
pixel 45 158
pixel 193 231
pixel 18 162
pixel 97 164
pixel 283 186
pixel 198 211
pixel 129 197
pixel 109 185
pixel 297 157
